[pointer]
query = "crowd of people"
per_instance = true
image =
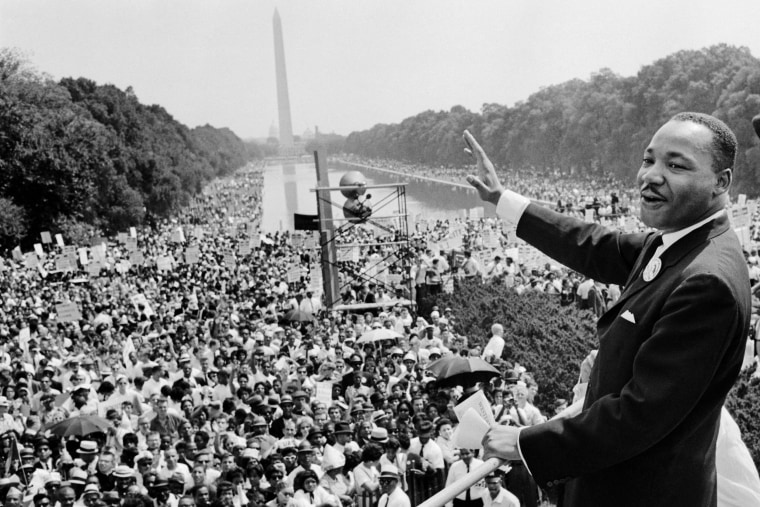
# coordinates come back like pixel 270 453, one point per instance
pixel 205 391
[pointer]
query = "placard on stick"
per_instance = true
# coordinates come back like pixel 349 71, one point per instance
pixel 68 312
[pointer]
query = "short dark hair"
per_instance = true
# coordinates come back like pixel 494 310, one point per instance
pixel 724 143
pixel 371 452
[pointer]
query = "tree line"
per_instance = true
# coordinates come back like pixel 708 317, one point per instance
pixel 600 125
pixel 77 156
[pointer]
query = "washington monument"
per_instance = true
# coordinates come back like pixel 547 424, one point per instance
pixel 283 100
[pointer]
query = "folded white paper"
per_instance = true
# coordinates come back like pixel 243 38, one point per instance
pixel 471 430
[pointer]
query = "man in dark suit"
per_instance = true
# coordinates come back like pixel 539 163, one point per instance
pixel 669 349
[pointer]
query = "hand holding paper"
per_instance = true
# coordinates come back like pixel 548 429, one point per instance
pixel 501 442
pixel 471 430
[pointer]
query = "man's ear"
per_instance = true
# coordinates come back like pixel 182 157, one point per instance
pixel 723 181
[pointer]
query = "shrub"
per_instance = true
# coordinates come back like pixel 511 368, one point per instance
pixel 551 341
pixel 548 339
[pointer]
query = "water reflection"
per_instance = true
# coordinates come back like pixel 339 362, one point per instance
pixel 287 190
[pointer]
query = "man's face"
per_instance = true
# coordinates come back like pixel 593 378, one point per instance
pixel 228 463
pixel 105 463
pixel 226 497
pixel 67 497
pixel 13 499
pixel 494 485
pixel 205 460
pixel 44 452
pixel 202 496
pixel 171 457
pixel 388 485
pixel 676 180
pixel 199 474
pixel 153 441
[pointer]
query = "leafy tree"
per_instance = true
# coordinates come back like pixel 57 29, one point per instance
pixel 76 155
pixel 598 125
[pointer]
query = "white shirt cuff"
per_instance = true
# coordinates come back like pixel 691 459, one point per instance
pixel 510 208
pixel 522 458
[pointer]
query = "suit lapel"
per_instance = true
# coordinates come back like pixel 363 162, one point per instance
pixel 673 255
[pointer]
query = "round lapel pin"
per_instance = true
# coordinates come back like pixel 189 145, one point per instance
pixel 652 269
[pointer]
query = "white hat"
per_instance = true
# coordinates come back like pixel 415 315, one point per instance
pixel 389 471
pixel 332 458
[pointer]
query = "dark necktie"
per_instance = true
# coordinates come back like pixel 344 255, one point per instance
pixel 467 495
pixel 520 416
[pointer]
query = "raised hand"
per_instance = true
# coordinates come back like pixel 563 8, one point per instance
pixel 486 182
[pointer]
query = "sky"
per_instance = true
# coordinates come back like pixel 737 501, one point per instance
pixel 354 63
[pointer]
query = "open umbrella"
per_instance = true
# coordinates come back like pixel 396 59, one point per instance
pixel 80 425
pixel 296 315
pixel 461 371
pixel 378 335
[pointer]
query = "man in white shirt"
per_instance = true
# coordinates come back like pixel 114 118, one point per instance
pixel 156 381
pixel 494 269
pixel 495 346
pixel 685 312
pixel 429 452
pixel 393 495
pixel 497 496
pixel 471 497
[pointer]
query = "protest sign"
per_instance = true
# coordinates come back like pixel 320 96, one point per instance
pixel 59 240
pixel 45 236
pixel 137 258
pixel 93 268
pixel 324 392
pixel 68 312
pixel 244 248
pixel 178 235
pixel 38 250
pixel 294 274
pixel 98 252
pixel 228 258
pixel 31 260
pixel 192 254
pixel 164 263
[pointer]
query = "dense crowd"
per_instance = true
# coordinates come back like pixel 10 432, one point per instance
pixel 187 366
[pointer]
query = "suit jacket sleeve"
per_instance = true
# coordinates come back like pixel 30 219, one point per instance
pixel 663 377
